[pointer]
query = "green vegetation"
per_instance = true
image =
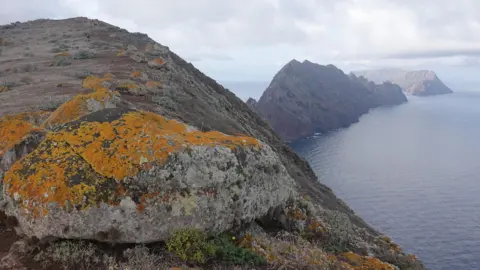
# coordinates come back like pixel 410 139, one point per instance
pixel 83 55
pixel 61 61
pixel 191 245
pixel 228 252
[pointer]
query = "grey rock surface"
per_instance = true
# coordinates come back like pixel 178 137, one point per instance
pixel 418 83
pixel 305 98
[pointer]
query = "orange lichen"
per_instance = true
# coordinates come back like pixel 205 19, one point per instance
pixel 35 118
pixel 153 84
pixel 62 54
pixel 316 226
pixel 121 53
pixel 159 61
pixel 358 262
pixel 13 131
pixel 108 75
pixel 77 107
pixel 136 74
pixel 118 149
pixel 94 82
pixel 296 214
pixel 52 173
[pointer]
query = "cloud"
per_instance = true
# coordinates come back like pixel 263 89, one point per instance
pixel 265 32
pixel 435 53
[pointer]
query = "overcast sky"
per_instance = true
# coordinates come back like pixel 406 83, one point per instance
pixel 251 39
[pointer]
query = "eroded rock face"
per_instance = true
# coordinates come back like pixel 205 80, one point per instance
pixel 119 175
pixel 19 135
pixel 417 82
pixel 305 98
pixel 80 105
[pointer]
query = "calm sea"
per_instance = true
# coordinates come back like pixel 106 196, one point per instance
pixel 412 172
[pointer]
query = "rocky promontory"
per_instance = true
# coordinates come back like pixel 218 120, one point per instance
pixel 305 98
pixel 417 83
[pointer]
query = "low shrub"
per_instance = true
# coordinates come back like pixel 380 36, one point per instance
pixel 191 245
pixel 70 255
pixel 83 55
pixel 227 251
pixel 61 61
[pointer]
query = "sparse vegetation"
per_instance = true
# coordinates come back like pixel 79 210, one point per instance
pixel 339 233
pixel 61 61
pixel 26 80
pixel 28 68
pixel 52 103
pixel 7 84
pixel 70 255
pixel 81 74
pixel 227 251
pixel 164 101
pixel 60 47
pixel 83 55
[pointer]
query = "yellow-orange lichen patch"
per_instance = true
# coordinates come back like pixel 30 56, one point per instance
pixel 35 118
pixel 13 131
pixel 358 262
pixel 136 74
pixel 121 53
pixel 77 107
pixel 118 149
pixel 153 84
pixel 62 54
pixel 3 88
pixel 53 173
pixel 94 82
pixel 159 61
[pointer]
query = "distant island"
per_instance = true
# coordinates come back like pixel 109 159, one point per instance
pixel 417 83
pixel 305 98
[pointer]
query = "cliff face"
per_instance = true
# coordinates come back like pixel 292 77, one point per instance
pixel 304 98
pixel 108 135
pixel 418 83
pixel 386 93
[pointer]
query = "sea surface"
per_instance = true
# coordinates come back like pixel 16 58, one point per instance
pixel 413 172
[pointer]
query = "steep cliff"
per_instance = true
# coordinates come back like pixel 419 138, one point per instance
pixel 108 135
pixel 418 83
pixel 386 93
pixel 304 98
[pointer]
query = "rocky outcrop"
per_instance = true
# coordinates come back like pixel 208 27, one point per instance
pixel 418 83
pixel 386 93
pixel 305 98
pixel 252 104
pixel 141 176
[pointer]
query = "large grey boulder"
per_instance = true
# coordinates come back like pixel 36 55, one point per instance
pixel 118 175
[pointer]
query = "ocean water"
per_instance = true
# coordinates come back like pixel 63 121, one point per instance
pixel 413 173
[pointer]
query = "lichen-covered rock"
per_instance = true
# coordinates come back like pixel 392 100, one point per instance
pixel 157 63
pixel 80 105
pixel 119 175
pixel 19 135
